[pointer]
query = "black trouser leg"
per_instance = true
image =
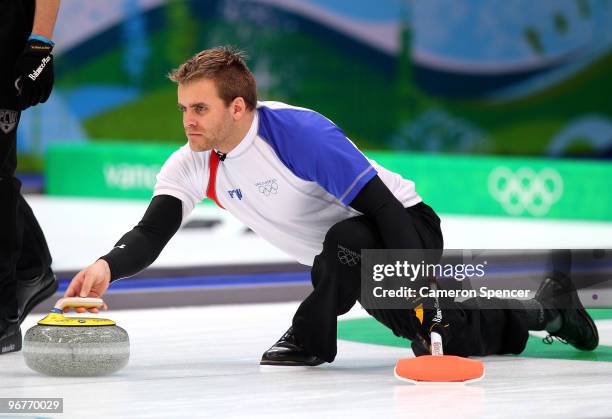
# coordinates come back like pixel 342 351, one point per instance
pixel 336 279
pixel 9 243
pixel 16 19
pixel 35 258
pixel 335 276
pixel 9 222
pixel 481 327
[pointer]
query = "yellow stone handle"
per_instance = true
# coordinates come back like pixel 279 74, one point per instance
pixel 86 302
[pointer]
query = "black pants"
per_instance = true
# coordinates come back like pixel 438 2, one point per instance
pixel 23 249
pixel 337 286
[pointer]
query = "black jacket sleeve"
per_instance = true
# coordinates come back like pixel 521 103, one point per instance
pixel 139 248
pixel 394 223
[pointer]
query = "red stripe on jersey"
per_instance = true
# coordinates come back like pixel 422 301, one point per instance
pixel 213 164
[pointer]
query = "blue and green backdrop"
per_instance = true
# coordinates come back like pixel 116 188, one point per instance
pixel 427 78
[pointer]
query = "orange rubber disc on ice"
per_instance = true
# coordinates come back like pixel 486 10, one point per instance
pixel 439 369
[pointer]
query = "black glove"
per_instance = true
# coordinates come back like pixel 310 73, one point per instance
pixel 428 317
pixel 34 74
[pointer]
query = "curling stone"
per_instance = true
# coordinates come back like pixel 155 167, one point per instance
pixel 76 346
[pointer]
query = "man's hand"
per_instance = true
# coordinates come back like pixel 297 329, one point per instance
pixel 34 74
pixel 92 281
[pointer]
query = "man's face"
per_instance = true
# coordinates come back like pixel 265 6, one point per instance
pixel 207 121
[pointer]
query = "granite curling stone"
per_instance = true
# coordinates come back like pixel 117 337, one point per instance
pixel 76 346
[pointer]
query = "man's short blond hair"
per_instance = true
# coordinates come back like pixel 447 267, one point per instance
pixel 225 66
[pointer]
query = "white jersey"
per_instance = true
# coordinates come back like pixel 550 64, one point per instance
pixel 290 179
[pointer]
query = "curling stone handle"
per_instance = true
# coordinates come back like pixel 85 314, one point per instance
pixel 86 302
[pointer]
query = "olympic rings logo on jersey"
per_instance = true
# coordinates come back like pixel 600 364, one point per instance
pixel 347 256
pixel 526 189
pixel 268 187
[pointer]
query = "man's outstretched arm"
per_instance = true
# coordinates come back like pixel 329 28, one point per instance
pixel 395 225
pixel 136 250
pixel 139 248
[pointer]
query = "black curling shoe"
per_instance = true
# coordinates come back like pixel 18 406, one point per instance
pixel 10 336
pixel 288 352
pixel 577 327
pixel 33 291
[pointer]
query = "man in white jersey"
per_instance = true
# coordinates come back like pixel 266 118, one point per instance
pixel 294 178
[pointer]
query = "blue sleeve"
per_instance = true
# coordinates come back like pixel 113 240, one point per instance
pixel 315 149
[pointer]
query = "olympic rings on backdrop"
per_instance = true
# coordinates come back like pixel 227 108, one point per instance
pixel 526 189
